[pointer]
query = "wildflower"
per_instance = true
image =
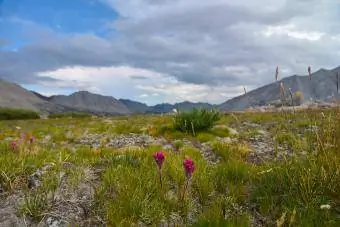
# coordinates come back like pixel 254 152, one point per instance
pixel 23 136
pixel 14 145
pixel 325 207
pixel 159 158
pixel 32 139
pixel 189 167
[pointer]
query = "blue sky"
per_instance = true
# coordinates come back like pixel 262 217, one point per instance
pixel 164 50
pixel 64 16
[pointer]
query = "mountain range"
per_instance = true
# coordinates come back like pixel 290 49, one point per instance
pixel 321 85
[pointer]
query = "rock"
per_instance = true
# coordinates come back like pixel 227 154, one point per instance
pixel 53 222
pixel 8 218
pixel 69 135
pixel 34 178
pixel 208 154
pixel 220 127
pixel 117 141
pixel 261 132
pixel 33 181
pixel 232 131
pixel 168 147
pixel 253 125
pixel 226 140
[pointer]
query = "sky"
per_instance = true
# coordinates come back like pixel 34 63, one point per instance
pixel 156 51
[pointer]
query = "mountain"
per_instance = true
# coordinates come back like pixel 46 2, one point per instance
pixel 182 106
pixel 14 96
pixel 42 97
pixel 321 87
pixel 160 108
pixel 185 106
pixel 133 106
pixel 89 102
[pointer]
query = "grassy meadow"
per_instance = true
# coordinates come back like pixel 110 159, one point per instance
pixel 250 169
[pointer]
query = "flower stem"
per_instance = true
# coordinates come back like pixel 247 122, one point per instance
pixel 160 178
pixel 186 185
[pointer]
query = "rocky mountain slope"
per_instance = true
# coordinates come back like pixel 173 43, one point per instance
pixel 133 106
pixel 322 86
pixel 89 102
pixel 14 96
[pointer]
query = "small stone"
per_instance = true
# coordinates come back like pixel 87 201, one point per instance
pixel 325 207
pixel 33 181
pixel 220 127
pixel 232 131
pixel 261 132
pixel 69 135
pixel 53 222
pixel 167 147
pixel 7 218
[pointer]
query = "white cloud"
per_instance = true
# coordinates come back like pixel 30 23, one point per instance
pixel 108 80
pixel 290 30
pixel 144 96
pixel 184 49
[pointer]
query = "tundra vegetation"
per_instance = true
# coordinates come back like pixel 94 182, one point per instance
pixel 200 168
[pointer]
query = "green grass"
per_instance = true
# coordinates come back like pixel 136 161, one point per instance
pixel 233 192
pixel 69 114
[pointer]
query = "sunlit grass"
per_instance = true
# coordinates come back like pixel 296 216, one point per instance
pixel 233 192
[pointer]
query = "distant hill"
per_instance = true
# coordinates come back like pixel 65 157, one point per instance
pixel 43 97
pixel 160 108
pixel 133 106
pixel 185 106
pixel 182 106
pixel 14 96
pixel 322 87
pixel 89 102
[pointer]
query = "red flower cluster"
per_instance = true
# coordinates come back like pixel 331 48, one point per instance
pixel 159 158
pixel 189 167
pixel 14 145
pixel 32 139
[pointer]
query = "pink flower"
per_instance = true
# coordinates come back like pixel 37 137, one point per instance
pixel 159 158
pixel 14 145
pixel 23 136
pixel 189 167
pixel 32 139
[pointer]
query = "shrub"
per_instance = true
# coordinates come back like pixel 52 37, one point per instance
pixel 298 98
pixel 197 120
pixel 17 114
pixel 70 114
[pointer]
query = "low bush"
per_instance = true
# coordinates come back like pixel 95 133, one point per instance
pixel 197 120
pixel 17 114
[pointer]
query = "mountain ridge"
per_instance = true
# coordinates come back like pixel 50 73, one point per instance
pixel 322 87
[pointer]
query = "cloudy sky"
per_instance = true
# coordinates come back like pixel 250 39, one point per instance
pixel 164 50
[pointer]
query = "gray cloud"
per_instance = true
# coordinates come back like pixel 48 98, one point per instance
pixel 139 77
pixel 214 43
